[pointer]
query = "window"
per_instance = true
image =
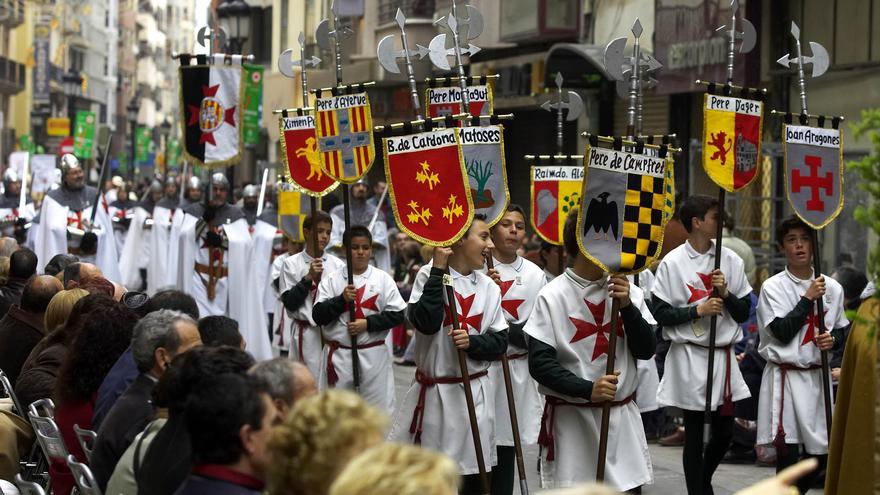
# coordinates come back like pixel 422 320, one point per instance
pixel 77 60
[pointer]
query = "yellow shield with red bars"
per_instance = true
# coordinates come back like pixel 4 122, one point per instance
pixel 429 187
pixel 299 152
pixel 344 130
pixel 732 140
pixel 556 190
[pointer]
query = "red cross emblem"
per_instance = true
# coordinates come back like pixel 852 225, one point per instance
pixel 814 182
pixel 706 291
pixel 586 329
pixel 510 305
pixel 812 324
pixel 75 218
pixel 210 114
pixel 468 320
pixel 360 304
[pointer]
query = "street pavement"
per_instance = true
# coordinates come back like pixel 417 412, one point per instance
pixel 668 474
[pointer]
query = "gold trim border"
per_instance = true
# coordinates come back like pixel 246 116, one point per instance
pixel 371 147
pixel 833 215
pixel 287 173
pixel 760 141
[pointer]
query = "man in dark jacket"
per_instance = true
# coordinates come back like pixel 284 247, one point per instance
pixel 157 338
pixel 22 266
pixel 22 327
pixel 229 423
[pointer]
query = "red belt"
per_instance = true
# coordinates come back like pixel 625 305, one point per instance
pixel 519 355
pixel 547 438
pixel 332 377
pixel 426 381
pixel 784 368
pixel 726 408
pixel 301 326
pixel 279 331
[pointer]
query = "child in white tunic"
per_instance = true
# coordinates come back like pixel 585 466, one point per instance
pixel 568 352
pixel 434 413
pixel 519 280
pixel 684 303
pixel 300 275
pixel 791 405
pixel 377 307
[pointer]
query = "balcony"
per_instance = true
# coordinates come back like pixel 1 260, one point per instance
pixel 11 76
pixel 11 13
pixel 410 8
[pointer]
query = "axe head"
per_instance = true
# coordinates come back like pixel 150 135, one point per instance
pixel 474 23
pixel 437 52
pixel 387 55
pixel 575 106
pixel 285 63
pixel 322 35
pixel 819 59
pixel 749 37
pixel 614 58
pixel 205 37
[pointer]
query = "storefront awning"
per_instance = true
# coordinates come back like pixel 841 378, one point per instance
pixel 581 65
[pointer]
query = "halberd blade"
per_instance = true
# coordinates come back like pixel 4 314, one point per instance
pixel 749 37
pixel 614 58
pixel 322 35
pixel 819 59
pixel 387 55
pixel 437 52
pixel 285 63
pixel 575 106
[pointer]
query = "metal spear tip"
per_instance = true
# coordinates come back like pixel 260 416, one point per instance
pixel 334 7
pixel 734 6
pixel 452 22
pixel 795 31
pixel 302 38
pixel 559 80
pixel 637 28
pixel 400 18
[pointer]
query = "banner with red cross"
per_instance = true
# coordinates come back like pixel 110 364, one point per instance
pixel 428 185
pixel 813 172
pixel 210 113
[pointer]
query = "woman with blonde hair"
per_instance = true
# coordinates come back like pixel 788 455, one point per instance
pixel 60 306
pixel 399 469
pixel 320 435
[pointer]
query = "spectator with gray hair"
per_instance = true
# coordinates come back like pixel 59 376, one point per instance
pixel 287 382
pixel 157 339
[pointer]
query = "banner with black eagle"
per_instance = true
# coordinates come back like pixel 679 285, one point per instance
pixel 210 113
pixel 299 152
pixel 623 211
pixel 428 186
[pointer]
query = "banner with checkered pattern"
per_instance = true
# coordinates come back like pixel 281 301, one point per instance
pixel 624 208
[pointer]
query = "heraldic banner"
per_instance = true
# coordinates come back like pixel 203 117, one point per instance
pixel 623 204
pixel 813 172
pixel 732 140
pixel 430 194
pixel 299 151
pixel 483 150
pixel 210 115
pixel 556 191
pixel 345 136
pixel 441 102
pixel 293 206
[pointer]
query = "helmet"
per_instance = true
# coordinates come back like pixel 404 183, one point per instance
pixel 219 180
pixel 250 191
pixel 156 186
pixel 11 176
pixel 68 163
pixel 171 180
pixel 194 183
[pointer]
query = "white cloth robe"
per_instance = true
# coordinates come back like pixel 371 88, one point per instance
pixel 649 378
pixel 522 280
pixel 376 372
pixel 684 380
pixel 236 295
pixel 160 240
pixel 803 415
pixel 305 334
pixel 136 250
pixel 280 323
pixel 559 309
pixel 446 427
pixel 51 237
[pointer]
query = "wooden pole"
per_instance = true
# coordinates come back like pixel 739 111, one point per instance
pixel 511 408
pixel 466 381
pixel 313 204
pixel 713 326
pixel 606 406
pixel 820 318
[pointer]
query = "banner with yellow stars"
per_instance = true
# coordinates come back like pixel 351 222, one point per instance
pixel 428 184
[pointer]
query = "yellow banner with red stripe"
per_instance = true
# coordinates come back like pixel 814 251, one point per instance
pixel 344 128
